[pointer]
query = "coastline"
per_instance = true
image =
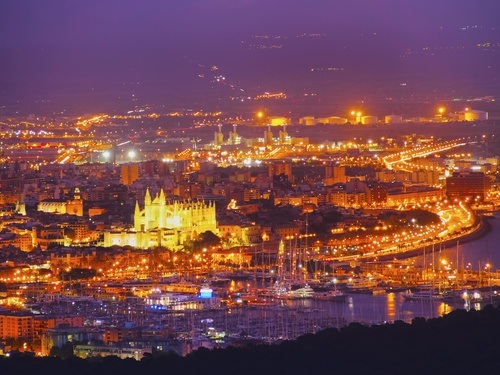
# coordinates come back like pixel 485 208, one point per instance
pixel 483 228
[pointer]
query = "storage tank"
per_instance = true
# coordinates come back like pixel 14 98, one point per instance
pixel 279 120
pixel 369 120
pixel 322 120
pixel 475 115
pixel 307 120
pixel 334 120
pixel 393 119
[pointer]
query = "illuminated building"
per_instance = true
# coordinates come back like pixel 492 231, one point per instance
pixel 356 199
pixel 95 194
pixel 237 234
pixel 154 167
pixel 286 230
pixel 165 224
pixel 414 197
pixel 429 177
pixel 9 195
pixel 468 184
pixel 192 216
pixel 221 189
pixel 16 325
pixel 431 164
pixel 393 176
pixel 117 334
pixel 378 194
pixel 187 190
pixel 44 236
pixel 20 238
pixel 334 174
pixel 59 206
pixel 75 206
pixel 278 168
pixel 43 323
pixel 84 351
pixel 355 185
pixel 337 197
pixel 55 206
pixel 250 194
pixel 299 200
pixel 80 229
pixel 129 173
pixel 240 176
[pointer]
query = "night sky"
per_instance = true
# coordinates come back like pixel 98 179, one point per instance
pixel 59 49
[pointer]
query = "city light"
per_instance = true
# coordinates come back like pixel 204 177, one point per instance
pixel 171 204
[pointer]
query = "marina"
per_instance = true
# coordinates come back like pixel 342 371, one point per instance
pixel 369 301
pixel 246 305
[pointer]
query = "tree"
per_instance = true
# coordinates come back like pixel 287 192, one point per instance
pixel 64 352
pixel 78 273
pixel 206 239
pixel 70 233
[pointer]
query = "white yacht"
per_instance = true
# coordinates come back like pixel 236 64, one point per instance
pixel 302 293
pixel 422 295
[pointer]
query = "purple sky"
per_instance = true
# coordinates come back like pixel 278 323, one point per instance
pixel 57 21
pixel 61 45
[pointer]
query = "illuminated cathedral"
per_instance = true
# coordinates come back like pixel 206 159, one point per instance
pixel 165 224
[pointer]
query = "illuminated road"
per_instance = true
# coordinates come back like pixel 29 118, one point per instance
pixel 399 160
pixel 457 220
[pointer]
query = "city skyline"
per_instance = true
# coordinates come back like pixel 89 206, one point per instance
pixel 187 174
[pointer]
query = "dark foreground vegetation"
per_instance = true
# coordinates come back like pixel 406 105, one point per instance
pixel 459 343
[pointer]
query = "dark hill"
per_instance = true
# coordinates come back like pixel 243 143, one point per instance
pixel 458 343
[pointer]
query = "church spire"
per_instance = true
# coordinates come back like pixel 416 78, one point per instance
pixel 147 198
pixel 162 197
pixel 20 208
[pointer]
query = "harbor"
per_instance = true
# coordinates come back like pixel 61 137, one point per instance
pixel 471 285
pixel 278 293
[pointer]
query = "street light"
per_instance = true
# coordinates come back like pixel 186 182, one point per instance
pixel 131 154
pixel 441 111
pixel 106 155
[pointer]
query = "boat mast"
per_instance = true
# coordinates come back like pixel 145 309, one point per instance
pixel 458 269
pixel 281 260
pixel 293 259
pixel 305 249
pixel 425 267
pixel 439 275
pixel 433 276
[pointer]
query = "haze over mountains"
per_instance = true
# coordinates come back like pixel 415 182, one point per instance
pixel 103 56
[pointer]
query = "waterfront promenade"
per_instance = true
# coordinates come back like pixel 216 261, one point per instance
pixel 480 230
